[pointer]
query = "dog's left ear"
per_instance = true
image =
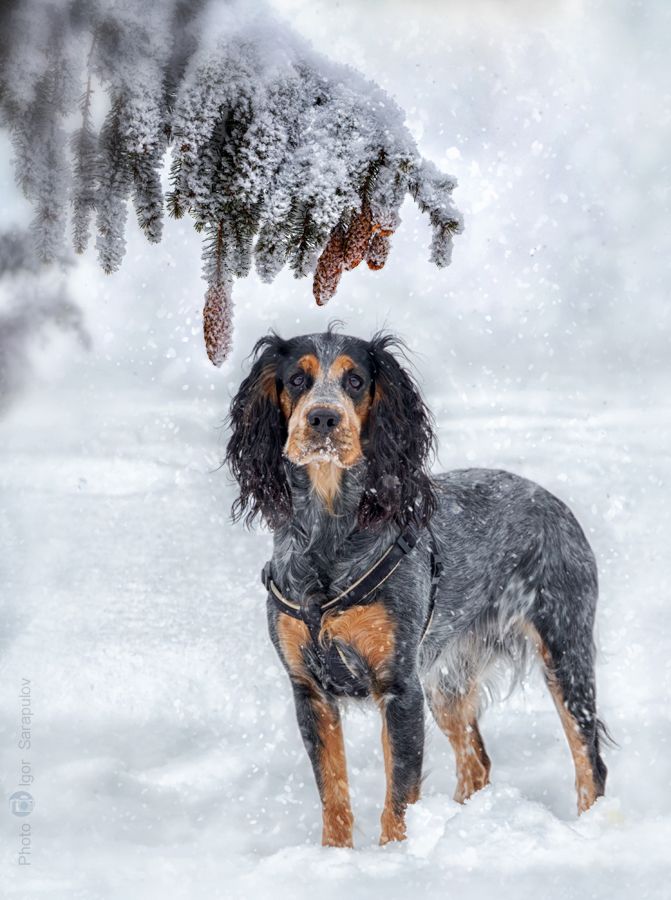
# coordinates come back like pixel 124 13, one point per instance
pixel 398 444
pixel 254 451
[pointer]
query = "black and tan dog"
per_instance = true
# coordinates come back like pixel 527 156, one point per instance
pixel 391 583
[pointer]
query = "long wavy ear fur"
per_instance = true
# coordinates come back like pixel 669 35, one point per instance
pixel 398 445
pixel 254 451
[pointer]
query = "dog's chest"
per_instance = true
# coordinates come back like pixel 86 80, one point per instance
pixel 353 655
pixel 347 652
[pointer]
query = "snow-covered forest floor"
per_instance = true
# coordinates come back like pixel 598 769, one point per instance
pixel 166 758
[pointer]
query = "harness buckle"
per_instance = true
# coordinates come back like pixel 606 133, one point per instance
pixel 407 540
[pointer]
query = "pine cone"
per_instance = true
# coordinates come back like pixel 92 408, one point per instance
pixel 377 228
pixel 378 250
pixel 218 322
pixel 329 269
pixel 357 238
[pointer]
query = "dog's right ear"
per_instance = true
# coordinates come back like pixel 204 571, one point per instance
pixel 259 431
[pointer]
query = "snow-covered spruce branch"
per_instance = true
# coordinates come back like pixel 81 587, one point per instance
pixel 280 156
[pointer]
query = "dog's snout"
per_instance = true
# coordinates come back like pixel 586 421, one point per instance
pixel 323 420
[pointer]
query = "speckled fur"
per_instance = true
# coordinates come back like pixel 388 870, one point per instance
pixel 511 552
pixel 518 576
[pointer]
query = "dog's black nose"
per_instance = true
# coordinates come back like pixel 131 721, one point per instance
pixel 323 419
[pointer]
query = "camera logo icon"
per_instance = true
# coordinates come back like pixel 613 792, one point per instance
pixel 21 803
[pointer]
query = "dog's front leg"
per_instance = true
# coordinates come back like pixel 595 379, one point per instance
pixel 403 749
pixel 319 722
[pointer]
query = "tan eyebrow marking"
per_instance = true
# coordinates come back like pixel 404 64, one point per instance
pixel 310 364
pixel 340 365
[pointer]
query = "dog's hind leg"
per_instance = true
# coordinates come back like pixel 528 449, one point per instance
pixel 456 714
pixel 569 674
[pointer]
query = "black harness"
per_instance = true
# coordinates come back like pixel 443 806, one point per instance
pixel 336 666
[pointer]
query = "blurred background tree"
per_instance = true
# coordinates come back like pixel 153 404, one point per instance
pixel 34 303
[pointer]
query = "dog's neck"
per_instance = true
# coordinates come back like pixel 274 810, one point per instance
pixel 326 479
pixel 326 497
pixel 321 547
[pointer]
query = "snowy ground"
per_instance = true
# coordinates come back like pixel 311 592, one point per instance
pixel 166 759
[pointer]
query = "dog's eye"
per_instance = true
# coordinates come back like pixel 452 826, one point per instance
pixel 354 381
pixel 297 380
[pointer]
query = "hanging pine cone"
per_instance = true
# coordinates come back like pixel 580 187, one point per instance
pixel 218 322
pixel 378 250
pixel 380 228
pixel 329 269
pixel 357 238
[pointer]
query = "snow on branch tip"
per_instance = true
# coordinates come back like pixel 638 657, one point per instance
pixel 281 157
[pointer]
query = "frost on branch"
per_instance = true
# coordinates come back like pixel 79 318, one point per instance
pixel 280 157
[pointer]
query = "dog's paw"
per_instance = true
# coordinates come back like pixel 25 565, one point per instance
pixel 393 827
pixel 337 831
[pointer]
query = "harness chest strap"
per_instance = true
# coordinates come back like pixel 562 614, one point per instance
pixel 363 590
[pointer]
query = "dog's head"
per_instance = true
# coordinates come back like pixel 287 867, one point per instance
pixel 330 402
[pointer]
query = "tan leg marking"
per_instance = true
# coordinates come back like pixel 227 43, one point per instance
pixel 585 785
pixel 293 635
pixel 457 717
pixel 336 808
pixel 370 631
pixel 337 815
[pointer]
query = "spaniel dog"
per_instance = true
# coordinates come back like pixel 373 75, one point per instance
pixel 392 583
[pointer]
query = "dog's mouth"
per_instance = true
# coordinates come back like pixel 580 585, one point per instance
pixel 332 449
